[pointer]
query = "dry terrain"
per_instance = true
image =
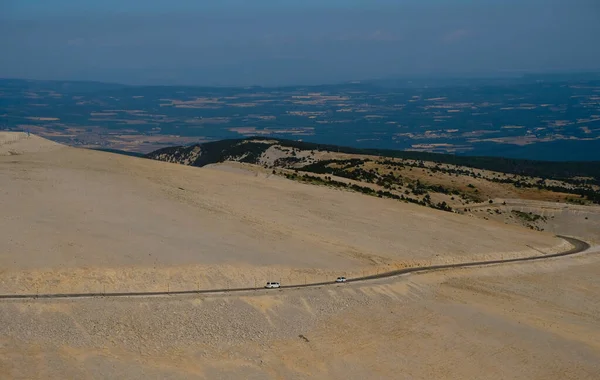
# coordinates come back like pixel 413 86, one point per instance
pixel 522 321
pixel 568 219
pixel 466 185
pixel 81 220
pixel 75 219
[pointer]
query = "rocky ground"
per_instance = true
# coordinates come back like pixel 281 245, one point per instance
pixel 521 321
pixel 79 220
pixel 73 217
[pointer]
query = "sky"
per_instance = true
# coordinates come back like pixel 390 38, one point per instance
pixel 280 42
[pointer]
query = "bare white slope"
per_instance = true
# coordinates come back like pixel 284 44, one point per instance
pixel 75 219
pixel 71 218
pixel 521 321
pixel 17 143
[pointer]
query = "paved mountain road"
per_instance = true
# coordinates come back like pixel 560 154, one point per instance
pixel 579 246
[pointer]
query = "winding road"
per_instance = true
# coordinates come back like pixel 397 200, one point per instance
pixel 578 247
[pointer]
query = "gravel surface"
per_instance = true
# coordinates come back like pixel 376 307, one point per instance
pixel 80 220
pixel 84 220
pixel 518 321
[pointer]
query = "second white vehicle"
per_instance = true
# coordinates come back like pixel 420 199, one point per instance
pixel 340 279
pixel 272 285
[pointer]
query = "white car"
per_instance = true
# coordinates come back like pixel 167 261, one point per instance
pixel 272 285
pixel 340 279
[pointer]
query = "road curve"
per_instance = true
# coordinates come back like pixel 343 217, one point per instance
pixel 578 247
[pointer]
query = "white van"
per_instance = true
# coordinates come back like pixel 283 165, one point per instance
pixel 272 285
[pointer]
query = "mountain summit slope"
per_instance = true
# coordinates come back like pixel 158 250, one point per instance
pixel 91 221
pixel 104 219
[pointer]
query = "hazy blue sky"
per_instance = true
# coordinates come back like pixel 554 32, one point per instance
pixel 236 42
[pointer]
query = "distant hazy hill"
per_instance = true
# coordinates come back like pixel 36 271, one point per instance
pixel 59 86
pixel 251 149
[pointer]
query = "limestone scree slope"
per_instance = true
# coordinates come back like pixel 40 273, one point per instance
pixel 83 220
pixel 79 219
